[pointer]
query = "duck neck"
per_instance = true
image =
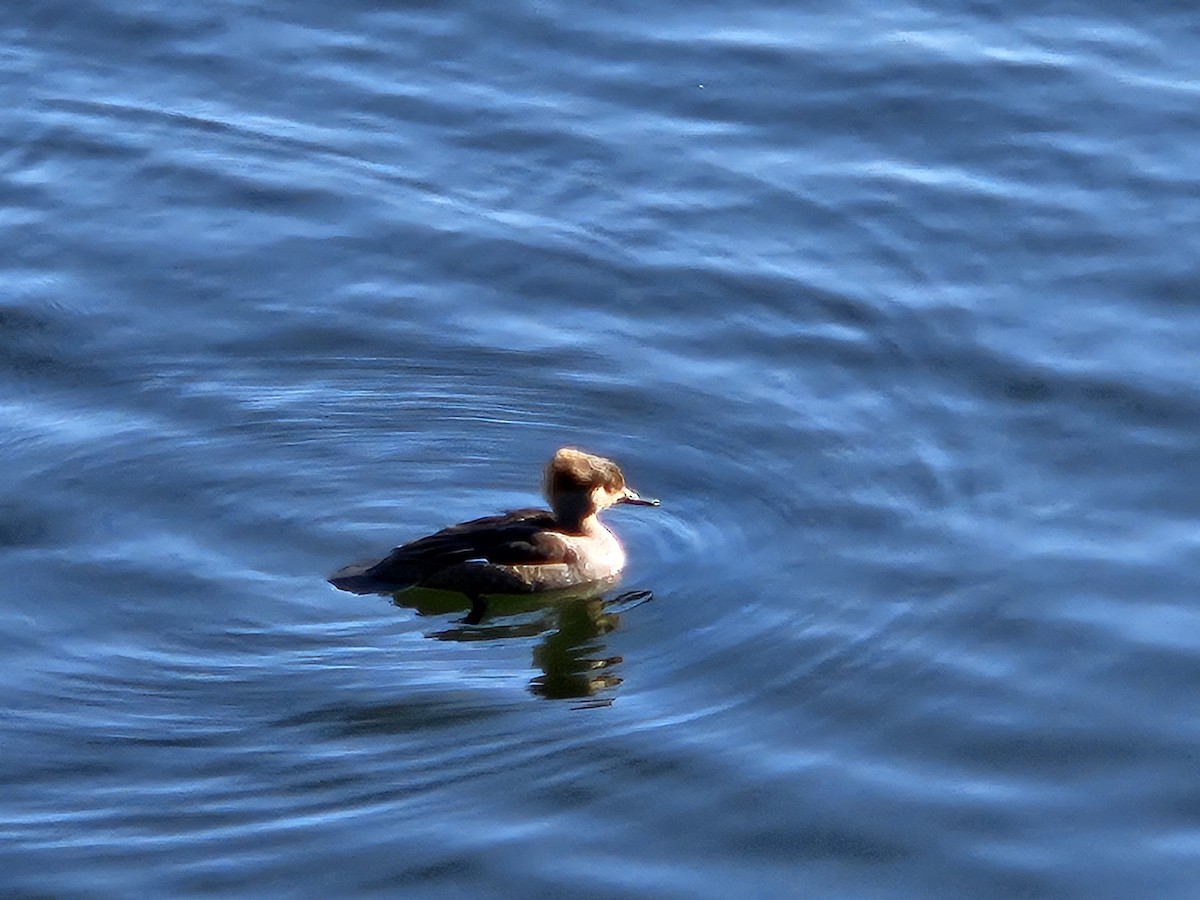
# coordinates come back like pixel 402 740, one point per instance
pixel 575 513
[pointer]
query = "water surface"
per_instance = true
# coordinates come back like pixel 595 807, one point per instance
pixel 890 304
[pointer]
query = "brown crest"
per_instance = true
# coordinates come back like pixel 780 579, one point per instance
pixel 572 471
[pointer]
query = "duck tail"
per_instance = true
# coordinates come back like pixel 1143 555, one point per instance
pixel 369 578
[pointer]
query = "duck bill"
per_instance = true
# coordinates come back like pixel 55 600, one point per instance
pixel 632 498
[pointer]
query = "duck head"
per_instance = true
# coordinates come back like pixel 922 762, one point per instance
pixel 578 485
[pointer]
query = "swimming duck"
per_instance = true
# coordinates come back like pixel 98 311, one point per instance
pixel 519 552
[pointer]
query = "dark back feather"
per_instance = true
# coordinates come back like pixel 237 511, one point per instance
pixel 515 538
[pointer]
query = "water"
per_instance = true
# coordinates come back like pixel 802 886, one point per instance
pixel 892 305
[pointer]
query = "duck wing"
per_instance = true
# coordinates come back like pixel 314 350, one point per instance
pixel 514 538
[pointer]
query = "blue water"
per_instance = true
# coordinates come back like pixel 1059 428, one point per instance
pixel 891 304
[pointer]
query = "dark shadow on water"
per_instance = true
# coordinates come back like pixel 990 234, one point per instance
pixel 571 654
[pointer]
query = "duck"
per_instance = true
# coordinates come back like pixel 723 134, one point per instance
pixel 525 551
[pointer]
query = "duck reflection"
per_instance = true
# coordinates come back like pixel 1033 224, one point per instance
pixel 571 654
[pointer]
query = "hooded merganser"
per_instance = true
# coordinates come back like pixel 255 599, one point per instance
pixel 520 552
